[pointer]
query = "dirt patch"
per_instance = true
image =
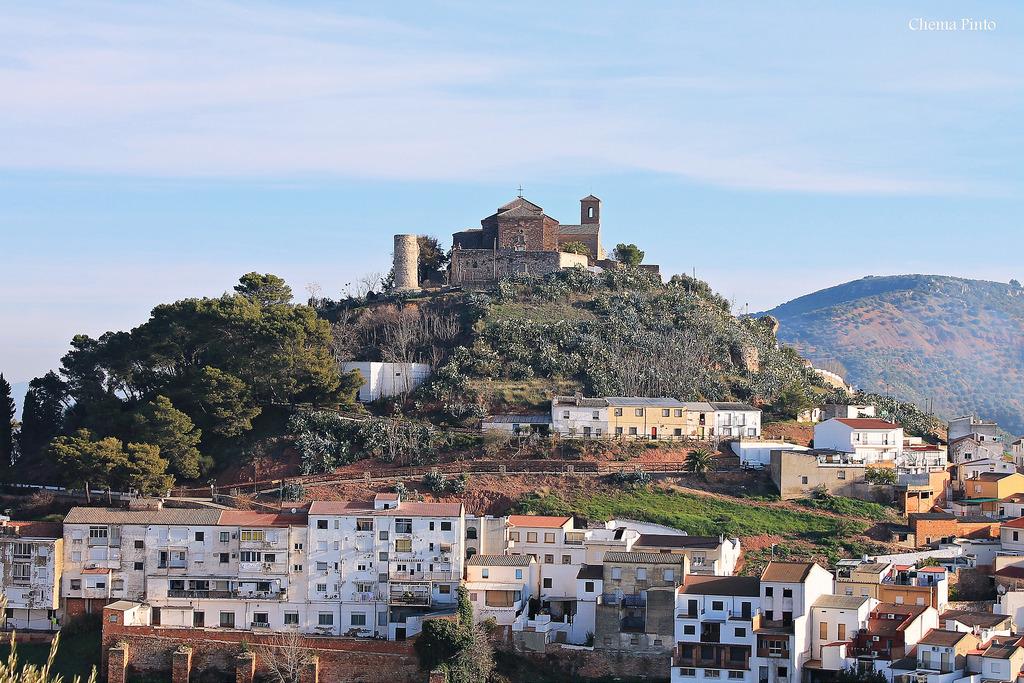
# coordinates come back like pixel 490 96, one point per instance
pixel 793 432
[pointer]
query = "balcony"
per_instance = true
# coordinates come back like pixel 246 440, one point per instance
pixel 227 595
pixel 410 594
pixel 400 576
pixel 773 653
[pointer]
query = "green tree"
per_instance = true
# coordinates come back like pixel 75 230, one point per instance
pixel 108 463
pixel 699 461
pixel 163 425
pixel 42 414
pixel 792 401
pixel 224 403
pixel 432 259
pixel 575 248
pixel 6 428
pixel 628 254
pixel 458 646
pixel 264 289
pixel 852 675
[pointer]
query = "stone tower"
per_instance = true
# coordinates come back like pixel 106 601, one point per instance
pixel 407 258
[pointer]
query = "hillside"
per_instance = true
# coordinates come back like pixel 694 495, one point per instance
pixel 957 342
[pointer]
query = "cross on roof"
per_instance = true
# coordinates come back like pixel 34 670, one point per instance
pixel 520 189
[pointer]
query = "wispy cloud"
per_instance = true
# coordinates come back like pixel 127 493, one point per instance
pixel 227 89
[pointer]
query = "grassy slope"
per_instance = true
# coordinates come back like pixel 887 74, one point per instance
pixel 954 340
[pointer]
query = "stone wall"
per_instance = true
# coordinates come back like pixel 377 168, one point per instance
pixel 406 262
pixel 214 654
pixel 575 663
pixel 484 265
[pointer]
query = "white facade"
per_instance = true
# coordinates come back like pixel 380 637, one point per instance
pixel 869 440
pixel 758 454
pixel 579 417
pixel 381 380
pixel 500 586
pixel 31 559
pixel 734 420
pixel 715 630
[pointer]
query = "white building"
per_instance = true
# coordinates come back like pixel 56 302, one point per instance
pixel 500 586
pixel 381 380
pixel 736 420
pixel 835 621
pixel 870 440
pixel 380 568
pixel 578 416
pixel 831 410
pixel 714 629
pixel 31 561
pixel 712 555
pixel 758 454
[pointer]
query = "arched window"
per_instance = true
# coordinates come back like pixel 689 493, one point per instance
pixel 470 552
pixel 471 533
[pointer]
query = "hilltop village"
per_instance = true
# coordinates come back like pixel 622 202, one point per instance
pixel 469 516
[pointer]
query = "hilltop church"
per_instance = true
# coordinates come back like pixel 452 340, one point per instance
pixel 519 238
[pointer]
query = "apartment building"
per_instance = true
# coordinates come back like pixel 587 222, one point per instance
pixel 379 568
pixel 869 440
pixel 896 583
pixel 984 625
pixel 579 417
pixel 800 473
pixel 939 656
pixel 646 418
pixel 106 557
pixel 714 629
pixel 31 562
pixel 985 492
pixel 713 555
pixel 636 611
pixel 891 634
pixel 835 622
pixel 783 629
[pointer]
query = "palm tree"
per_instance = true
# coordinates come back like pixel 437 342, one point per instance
pixel 698 461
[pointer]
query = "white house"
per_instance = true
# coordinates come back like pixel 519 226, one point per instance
pixel 715 629
pixel 736 420
pixel 381 380
pixel 831 410
pixel 578 416
pixel 758 454
pixel 500 586
pixel 869 439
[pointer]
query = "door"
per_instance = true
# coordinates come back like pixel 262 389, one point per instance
pixel 654 432
pixel 400 633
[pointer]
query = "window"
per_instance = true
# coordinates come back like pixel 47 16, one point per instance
pixel 291 618
pixel 383 535
pixel 22 572
pixel 321 524
pixel 296 567
pixel 841 475
pixel 588 586
pixel 783 671
pixel 199 619
pixel 260 619
pixel 97 532
pixel 787 592
pixel 618 431
pixel 513 536
pixel 223 557
pixel 139 545
pixel 225 536
pixel 549 538
pixel 76 556
pixel 258 535
pixel 227 619
pixel 712 673
pixel 270 557
pixel 403 526
pixel 565 414
pixel 138 566
pixel 519 574
pixel 200 536
pixel 595 415
pixel 689 630
pixel 678 412
pixel 297 547
pixel 547 583
pixel 76 584
pixel 325 619
pixel 616 573
pixel 632 431
pixel 358 619
pixel 321 566
pixel 769 591
pixel 668 575
pixel 321 588
pixel 446 526
pixel 382 556
pixel 22 549
pixel 403 545
pixel 641 574
pixel 687 673
pixel 740 632
pixel 639 412
pixel 531 536
pixel 717 605
pixel 485 572
pixel 677 432
pixel 618 412
pixel 665 412
pixel 250 556
pixel 549 559
pixel 566 559
pixel 364 524
pixel 444 589
pixel 736 675
pixel 803 480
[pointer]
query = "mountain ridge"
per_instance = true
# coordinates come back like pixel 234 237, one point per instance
pixel 951 341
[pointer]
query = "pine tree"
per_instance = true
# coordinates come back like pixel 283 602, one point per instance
pixel 6 429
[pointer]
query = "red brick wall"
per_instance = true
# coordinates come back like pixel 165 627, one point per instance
pixel 933 529
pixel 978 530
pixel 341 660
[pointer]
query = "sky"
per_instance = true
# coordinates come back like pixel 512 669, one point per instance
pixel 155 151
